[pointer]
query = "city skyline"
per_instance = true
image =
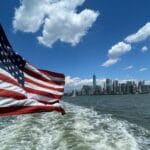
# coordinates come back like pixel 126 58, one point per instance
pixel 77 83
pixel 111 87
pixel 80 37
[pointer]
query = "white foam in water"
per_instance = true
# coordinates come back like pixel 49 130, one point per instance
pixel 79 129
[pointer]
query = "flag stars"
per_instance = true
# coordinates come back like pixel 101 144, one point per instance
pixel 13 60
pixel 10 60
pixel 6 67
pixel 11 53
pixel 8 47
pixel 18 59
pixel 21 65
pixel 9 68
pixel 20 71
pixel 2 39
pixel 2 53
pixel 5 54
pixel 20 77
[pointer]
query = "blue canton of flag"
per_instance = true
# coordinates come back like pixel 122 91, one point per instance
pixel 10 60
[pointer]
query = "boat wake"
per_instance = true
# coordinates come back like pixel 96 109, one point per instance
pixel 80 129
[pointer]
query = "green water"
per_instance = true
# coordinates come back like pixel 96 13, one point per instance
pixel 134 108
pixel 91 123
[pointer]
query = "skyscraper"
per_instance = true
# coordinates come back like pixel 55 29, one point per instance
pixel 94 82
pixel 140 85
pixel 115 86
pixel 108 86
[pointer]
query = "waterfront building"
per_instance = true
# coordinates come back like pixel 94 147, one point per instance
pixel 108 86
pixel 135 88
pixel 98 90
pixel 94 82
pixel 140 85
pixel 122 88
pixel 87 90
pixel 145 89
pixel 104 88
pixel 115 87
pixel 129 87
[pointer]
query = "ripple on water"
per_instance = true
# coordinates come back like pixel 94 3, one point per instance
pixel 79 129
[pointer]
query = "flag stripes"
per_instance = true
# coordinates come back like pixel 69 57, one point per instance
pixel 17 110
pixel 30 70
pixel 23 87
pixel 34 87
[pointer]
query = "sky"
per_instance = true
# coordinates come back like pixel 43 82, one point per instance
pixel 79 38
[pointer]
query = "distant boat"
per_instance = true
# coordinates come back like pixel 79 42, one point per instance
pixel 74 93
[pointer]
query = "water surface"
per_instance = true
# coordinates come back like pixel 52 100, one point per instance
pixel 91 123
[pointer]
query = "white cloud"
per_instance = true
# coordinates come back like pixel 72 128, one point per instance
pixel 116 52
pixel 121 48
pixel 144 49
pixel 142 34
pixel 59 20
pixel 128 79
pixel 128 67
pixel 110 62
pixel 147 82
pixel 142 69
pixel 77 83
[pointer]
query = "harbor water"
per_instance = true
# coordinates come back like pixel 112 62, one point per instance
pixel 90 123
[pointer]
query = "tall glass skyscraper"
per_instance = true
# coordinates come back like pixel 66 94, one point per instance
pixel 94 81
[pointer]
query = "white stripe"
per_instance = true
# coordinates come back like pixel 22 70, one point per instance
pixel 11 87
pixel 29 84
pixel 43 82
pixel 40 97
pixel 31 68
pixel 35 87
pixel 12 102
pixel 53 78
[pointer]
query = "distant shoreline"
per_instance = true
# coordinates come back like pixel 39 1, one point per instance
pixel 109 95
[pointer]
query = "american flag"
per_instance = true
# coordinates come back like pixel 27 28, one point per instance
pixel 24 88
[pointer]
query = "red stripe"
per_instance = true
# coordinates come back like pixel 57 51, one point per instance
pixel 42 93
pixel 44 86
pixel 46 102
pixel 54 74
pixel 40 77
pixel 12 94
pixel 8 80
pixel 18 110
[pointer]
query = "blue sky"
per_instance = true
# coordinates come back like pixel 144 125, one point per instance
pixel 90 46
